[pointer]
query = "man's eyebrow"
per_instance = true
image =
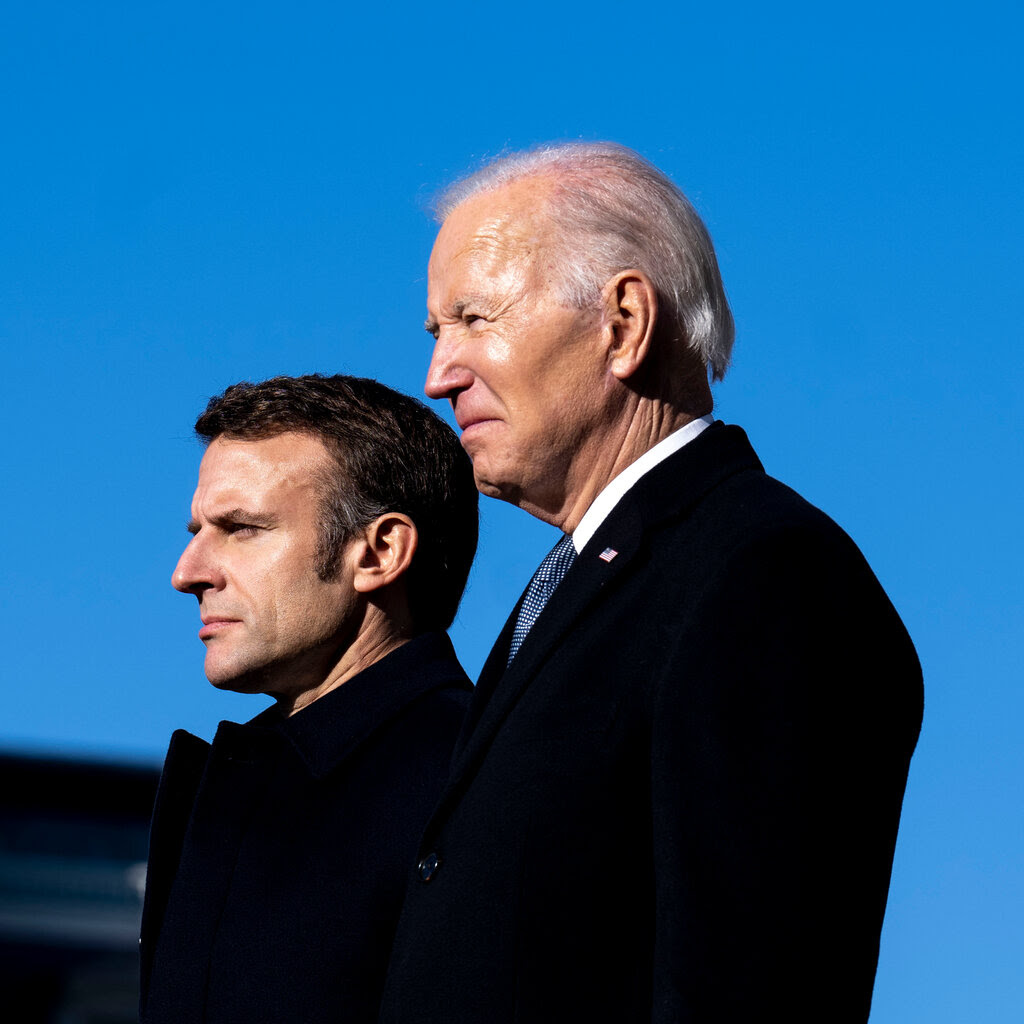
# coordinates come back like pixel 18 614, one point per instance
pixel 235 517
pixel 430 325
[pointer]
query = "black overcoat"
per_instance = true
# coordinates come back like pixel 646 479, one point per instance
pixel 279 854
pixel 680 802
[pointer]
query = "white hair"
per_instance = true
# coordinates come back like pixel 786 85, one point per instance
pixel 616 211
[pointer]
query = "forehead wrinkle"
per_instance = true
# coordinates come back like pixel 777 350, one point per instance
pixel 500 261
pixel 492 255
pixel 507 235
pixel 498 226
pixel 491 251
pixel 487 280
pixel 249 478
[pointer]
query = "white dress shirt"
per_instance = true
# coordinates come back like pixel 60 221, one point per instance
pixel 617 487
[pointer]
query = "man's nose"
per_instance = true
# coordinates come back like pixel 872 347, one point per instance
pixel 193 573
pixel 447 374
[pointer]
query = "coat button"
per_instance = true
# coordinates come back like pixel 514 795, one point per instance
pixel 427 867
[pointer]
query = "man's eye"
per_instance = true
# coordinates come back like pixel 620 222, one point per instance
pixel 470 318
pixel 242 530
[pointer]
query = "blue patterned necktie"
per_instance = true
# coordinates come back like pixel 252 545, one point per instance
pixel 548 575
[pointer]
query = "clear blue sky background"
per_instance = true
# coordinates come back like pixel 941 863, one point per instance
pixel 192 194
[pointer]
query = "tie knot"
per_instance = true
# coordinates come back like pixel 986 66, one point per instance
pixel 556 562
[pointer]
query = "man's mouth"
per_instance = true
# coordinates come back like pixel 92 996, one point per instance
pixel 212 625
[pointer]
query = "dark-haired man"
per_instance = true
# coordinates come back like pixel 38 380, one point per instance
pixel 333 527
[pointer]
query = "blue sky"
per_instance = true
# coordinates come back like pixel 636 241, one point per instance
pixel 196 194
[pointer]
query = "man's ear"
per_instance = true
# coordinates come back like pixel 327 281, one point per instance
pixel 630 313
pixel 382 551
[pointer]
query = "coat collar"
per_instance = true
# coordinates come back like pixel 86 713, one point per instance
pixel 332 727
pixel 669 491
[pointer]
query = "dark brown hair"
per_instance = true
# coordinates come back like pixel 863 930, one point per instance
pixel 392 454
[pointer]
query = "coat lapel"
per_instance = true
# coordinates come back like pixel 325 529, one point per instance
pixel 671 489
pixel 179 782
pixel 499 688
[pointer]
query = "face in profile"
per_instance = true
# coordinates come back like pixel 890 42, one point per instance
pixel 524 373
pixel 269 622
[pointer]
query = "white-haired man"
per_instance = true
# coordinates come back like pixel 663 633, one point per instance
pixel 677 794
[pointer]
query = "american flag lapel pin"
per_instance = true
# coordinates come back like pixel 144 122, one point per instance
pixel 608 554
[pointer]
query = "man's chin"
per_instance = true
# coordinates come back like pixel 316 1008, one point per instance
pixel 236 682
pixel 491 488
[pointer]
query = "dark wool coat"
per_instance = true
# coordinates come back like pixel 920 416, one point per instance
pixel 680 802
pixel 279 854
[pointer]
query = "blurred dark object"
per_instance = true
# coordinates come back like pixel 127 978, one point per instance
pixel 73 843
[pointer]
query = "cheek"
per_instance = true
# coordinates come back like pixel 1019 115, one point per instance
pixel 521 365
pixel 500 350
pixel 277 592
pixel 321 613
pixel 304 603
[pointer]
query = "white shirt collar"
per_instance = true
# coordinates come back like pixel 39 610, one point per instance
pixel 613 491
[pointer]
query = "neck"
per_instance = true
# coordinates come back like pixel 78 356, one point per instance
pixel 378 635
pixel 603 457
